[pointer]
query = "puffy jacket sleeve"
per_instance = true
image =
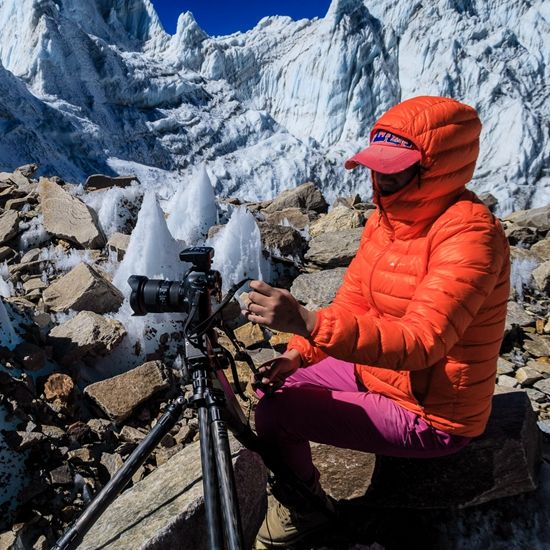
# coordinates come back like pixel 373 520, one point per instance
pixel 466 257
pixel 349 296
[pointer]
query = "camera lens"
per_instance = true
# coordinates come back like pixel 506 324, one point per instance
pixel 156 295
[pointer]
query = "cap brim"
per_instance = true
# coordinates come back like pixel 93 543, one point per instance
pixel 385 159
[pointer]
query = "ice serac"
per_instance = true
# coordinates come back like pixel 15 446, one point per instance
pixel 152 251
pixel 99 86
pixel 192 210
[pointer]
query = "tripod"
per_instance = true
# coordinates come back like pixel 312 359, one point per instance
pixel 217 408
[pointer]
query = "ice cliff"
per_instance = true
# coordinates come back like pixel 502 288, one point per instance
pixel 99 86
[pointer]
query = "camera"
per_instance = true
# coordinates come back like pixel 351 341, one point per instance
pixel 164 296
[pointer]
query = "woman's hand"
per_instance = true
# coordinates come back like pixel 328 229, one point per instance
pixel 272 374
pixel 278 309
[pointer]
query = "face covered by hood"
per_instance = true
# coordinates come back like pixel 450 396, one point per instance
pixel 445 136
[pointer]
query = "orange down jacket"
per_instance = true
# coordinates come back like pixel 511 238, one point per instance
pixel 422 308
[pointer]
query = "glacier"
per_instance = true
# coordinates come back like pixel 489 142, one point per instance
pixel 99 86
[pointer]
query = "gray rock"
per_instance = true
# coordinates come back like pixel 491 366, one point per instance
pixel 317 290
pixel 335 249
pixel 166 509
pixel 543 368
pixel 282 241
pixel 527 376
pixel 490 201
pixel 6 253
pixel 345 474
pixel 9 225
pixel 86 334
pixel 516 315
pixel 295 217
pixel 505 367
pixel 112 462
pixel 507 381
pixel 537 345
pixel 543 386
pixel 542 248
pixel 34 283
pixel 306 196
pixel 118 243
pixel 27 170
pixel 541 275
pixel 536 395
pixel 68 217
pixel 339 218
pixel 31 255
pixel 535 217
pixel 500 463
pixel 119 396
pixel 84 288
pixel 131 435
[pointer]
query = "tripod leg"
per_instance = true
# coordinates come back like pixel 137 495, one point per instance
pixel 83 524
pixel 226 477
pixel 209 482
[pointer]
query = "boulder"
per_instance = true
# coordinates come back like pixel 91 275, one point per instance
pixel 338 219
pixel 6 253
pixel 118 243
pixel 535 217
pixel 86 334
pixel 59 389
pixel 166 509
pixel 9 226
pixel 305 196
pixel 250 334
pixel 542 248
pixel 541 275
pixel 96 182
pixel 27 170
pixel 335 249
pixel 345 474
pixel 537 345
pixel 500 463
pixel 516 315
pixel 17 178
pixel 68 217
pixel 84 288
pixel 349 201
pixel 119 396
pixel 317 290
pixel 281 240
pixel 490 201
pixel 294 217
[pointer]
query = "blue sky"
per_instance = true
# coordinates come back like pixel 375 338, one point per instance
pixel 220 18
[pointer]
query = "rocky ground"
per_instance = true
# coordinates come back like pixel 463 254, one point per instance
pixel 74 436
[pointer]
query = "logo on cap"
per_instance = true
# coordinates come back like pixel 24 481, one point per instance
pixel 382 136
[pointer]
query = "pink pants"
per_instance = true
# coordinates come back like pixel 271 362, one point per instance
pixel 325 404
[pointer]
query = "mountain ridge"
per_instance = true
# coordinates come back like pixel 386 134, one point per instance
pixel 285 102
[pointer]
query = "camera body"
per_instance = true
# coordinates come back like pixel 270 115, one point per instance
pixel 165 296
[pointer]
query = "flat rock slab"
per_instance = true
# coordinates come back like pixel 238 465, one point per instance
pixel 166 509
pixel 335 249
pixel 68 217
pixel 119 396
pixel 84 288
pixel 317 290
pixel 305 196
pixel 86 334
pixel 9 225
pixel 501 463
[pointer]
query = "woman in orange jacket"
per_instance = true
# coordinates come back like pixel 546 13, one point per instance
pixel 403 362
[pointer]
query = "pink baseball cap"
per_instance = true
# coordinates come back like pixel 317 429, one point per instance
pixel 387 154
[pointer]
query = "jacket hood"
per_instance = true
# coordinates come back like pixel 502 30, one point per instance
pixel 446 132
